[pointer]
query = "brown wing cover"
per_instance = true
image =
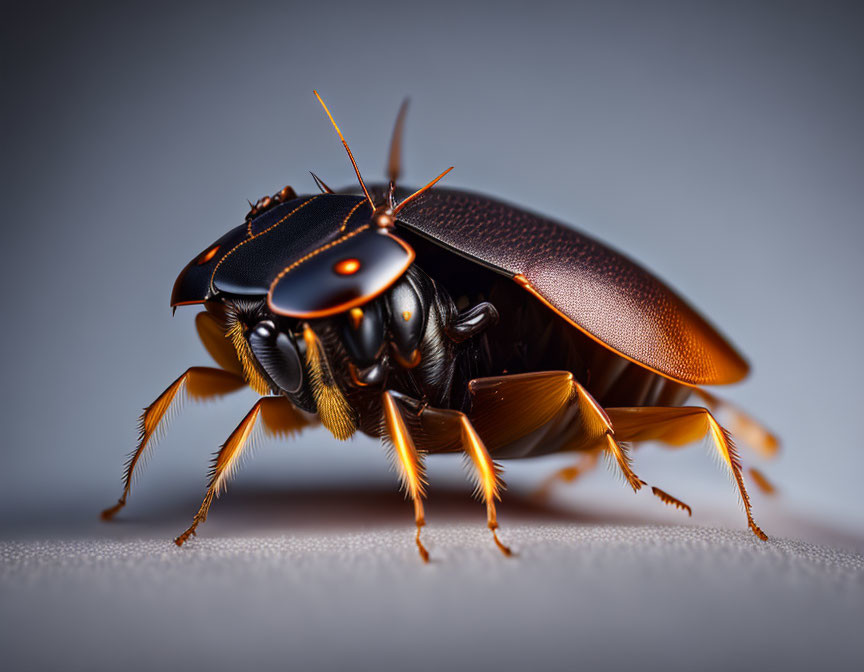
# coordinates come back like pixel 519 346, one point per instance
pixel 598 290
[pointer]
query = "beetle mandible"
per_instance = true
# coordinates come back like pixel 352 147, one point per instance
pixel 444 321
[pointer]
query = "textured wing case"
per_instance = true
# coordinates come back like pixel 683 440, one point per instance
pixel 601 292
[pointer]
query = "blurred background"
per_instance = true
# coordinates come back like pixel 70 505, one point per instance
pixel 720 144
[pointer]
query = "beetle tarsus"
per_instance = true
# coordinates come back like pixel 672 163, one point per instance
pixel 758 531
pixel 424 554
pixel 111 511
pixel 183 538
pixel 501 547
pixel 666 498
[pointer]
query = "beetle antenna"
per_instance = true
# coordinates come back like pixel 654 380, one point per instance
pixel 321 185
pixel 347 149
pixel 394 162
pixel 420 191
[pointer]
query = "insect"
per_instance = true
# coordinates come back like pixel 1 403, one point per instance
pixel 446 322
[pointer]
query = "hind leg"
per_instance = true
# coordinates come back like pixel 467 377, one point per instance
pixel 681 425
pixel 742 425
pixel 586 463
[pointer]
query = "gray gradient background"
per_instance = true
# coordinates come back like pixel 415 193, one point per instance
pixel 720 144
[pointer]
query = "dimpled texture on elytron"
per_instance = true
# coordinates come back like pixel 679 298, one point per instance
pixel 603 292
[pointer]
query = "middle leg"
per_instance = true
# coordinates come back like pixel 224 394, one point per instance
pixel 445 430
pixel 506 409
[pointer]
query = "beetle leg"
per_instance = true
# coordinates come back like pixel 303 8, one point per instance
pixel 680 425
pixel 471 322
pixel 408 461
pixel 530 400
pixel 588 461
pixel 598 423
pixel 762 482
pixel 487 476
pixel 448 431
pixel 215 340
pixel 278 418
pixel 743 425
pixel 198 382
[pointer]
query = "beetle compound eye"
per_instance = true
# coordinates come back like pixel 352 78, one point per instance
pixel 347 266
pixel 208 255
pixel 277 354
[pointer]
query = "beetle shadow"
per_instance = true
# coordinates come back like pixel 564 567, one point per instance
pixel 282 510
pixel 304 509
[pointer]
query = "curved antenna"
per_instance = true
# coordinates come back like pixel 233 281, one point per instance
pixel 321 185
pixel 419 191
pixel 347 149
pixel 394 162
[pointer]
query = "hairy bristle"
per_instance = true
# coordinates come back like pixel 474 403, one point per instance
pixel 621 455
pixel 335 412
pixel 666 498
pixel 236 334
pixel 729 454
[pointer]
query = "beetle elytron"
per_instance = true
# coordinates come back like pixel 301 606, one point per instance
pixel 443 321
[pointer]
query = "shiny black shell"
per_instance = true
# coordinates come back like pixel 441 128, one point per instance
pixel 597 290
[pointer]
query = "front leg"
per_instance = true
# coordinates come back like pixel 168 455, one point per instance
pixel 278 418
pixel 197 382
pixel 408 462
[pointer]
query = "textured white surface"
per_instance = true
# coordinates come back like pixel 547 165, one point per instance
pixel 577 596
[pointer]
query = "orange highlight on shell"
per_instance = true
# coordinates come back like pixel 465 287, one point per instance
pixel 347 266
pixel 208 255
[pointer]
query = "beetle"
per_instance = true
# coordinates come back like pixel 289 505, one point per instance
pixel 443 321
